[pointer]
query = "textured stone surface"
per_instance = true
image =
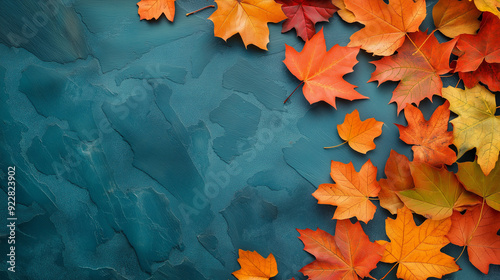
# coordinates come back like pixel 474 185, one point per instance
pixel 153 150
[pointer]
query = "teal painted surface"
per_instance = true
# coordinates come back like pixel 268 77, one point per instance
pixel 153 150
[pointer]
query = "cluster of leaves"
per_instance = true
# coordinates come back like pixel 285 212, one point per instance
pixel 462 208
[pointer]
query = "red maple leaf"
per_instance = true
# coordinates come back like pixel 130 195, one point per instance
pixel 484 46
pixel 418 64
pixel 344 256
pixel 304 14
pixel 483 243
pixel 487 73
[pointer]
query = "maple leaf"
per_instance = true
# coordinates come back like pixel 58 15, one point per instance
pixel 343 12
pixel 476 125
pixel 418 70
pixel 397 171
pixel 487 73
pixel 322 71
pixel 474 180
pixel 437 192
pixel 417 248
pixel 345 255
pixel 249 18
pixel 485 46
pixel 359 134
pixel 304 14
pixel 351 192
pixel 430 138
pixel 386 25
pixel 483 243
pixel 149 9
pixel 255 267
pixel 491 6
pixel 454 17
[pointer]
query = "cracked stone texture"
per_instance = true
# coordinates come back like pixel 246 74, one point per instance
pixel 153 150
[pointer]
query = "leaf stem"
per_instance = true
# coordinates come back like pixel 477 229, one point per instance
pixel 420 51
pixel 201 9
pixel 293 92
pixel 389 271
pixel 428 36
pixel 458 82
pixel 331 147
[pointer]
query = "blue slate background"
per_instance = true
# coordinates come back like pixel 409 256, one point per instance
pixel 154 150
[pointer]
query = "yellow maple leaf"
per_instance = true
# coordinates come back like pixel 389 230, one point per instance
pixel 417 249
pixel 488 6
pixel 255 267
pixel 476 125
pixel 249 18
pixel 149 9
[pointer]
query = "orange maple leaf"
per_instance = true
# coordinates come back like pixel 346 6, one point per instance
pixel 351 192
pixel 397 171
pixel 255 267
pixel 477 229
pixel 344 256
pixel 149 9
pixel 249 18
pixel 386 25
pixel 322 71
pixel 453 17
pixel 418 64
pixel 430 139
pixel 417 248
pixel 359 134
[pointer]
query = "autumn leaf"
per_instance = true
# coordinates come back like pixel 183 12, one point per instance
pixel 476 125
pixel 343 12
pixel 491 6
pixel 386 25
pixel 417 70
pixel 397 171
pixel 487 73
pixel 249 18
pixel 351 192
pixel 149 9
pixel 304 14
pixel 255 267
pixel 417 248
pixel 359 134
pixel 346 255
pixel 322 71
pixel 474 180
pixel 437 192
pixel 430 139
pixel 485 46
pixel 483 242
pixel 455 17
